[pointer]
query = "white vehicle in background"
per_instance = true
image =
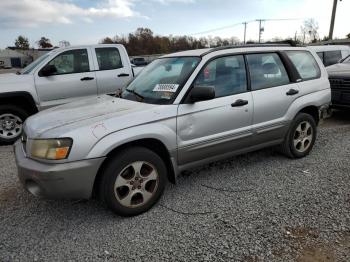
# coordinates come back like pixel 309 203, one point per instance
pixel 331 54
pixel 58 77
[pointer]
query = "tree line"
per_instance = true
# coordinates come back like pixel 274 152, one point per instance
pixel 144 42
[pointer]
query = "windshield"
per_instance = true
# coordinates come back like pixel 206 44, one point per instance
pixel 346 60
pixel 160 82
pixel 33 65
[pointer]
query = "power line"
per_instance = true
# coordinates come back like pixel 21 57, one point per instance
pixel 217 29
pixel 261 29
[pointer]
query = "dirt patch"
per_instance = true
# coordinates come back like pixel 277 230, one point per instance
pixel 319 254
pixel 7 194
pixel 302 233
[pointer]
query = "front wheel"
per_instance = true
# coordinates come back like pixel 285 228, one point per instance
pixel 11 123
pixel 301 136
pixel 133 181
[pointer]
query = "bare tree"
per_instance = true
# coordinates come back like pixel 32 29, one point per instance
pixel 63 43
pixel 310 28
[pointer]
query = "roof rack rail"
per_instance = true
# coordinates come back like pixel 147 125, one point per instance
pixel 245 46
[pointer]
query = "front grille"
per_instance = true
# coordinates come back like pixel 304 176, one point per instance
pixel 340 83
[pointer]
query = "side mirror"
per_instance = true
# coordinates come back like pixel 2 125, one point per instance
pixel 202 93
pixel 48 70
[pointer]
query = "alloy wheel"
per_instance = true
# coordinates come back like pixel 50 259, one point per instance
pixel 136 184
pixel 303 137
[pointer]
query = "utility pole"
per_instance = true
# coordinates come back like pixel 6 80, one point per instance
pixel 260 28
pixel 334 11
pixel 245 31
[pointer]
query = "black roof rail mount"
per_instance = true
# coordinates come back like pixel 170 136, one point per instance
pixel 243 46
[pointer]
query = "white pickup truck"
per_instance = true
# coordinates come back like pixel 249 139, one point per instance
pixel 61 76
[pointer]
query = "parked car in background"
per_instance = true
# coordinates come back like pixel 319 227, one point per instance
pixel 183 110
pixel 139 61
pixel 339 77
pixel 331 54
pixel 61 76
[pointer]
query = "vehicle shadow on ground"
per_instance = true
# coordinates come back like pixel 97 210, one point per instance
pixel 338 118
pixel 192 186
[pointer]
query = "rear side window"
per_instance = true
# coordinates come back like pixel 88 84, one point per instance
pixel 108 58
pixel 266 70
pixel 320 55
pixel 332 57
pixel 305 64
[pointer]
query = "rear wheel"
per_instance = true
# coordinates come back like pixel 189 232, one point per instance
pixel 133 181
pixel 11 123
pixel 301 136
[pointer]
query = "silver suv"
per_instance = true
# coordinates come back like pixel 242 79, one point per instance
pixel 183 110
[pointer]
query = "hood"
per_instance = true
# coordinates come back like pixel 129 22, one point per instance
pixel 11 78
pixel 339 69
pixel 87 113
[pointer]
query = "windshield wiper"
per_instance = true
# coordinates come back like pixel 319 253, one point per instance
pixel 135 93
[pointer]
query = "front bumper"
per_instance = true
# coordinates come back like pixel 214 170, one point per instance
pixel 72 180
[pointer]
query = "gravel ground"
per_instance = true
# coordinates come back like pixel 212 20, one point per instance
pixel 256 207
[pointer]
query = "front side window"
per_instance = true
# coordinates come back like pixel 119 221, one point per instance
pixel 226 74
pixel 108 58
pixel 305 64
pixel 266 70
pixel 332 57
pixel 160 82
pixel 72 61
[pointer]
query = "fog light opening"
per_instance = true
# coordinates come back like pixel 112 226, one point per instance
pixel 33 188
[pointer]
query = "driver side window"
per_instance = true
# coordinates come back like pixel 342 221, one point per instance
pixel 72 61
pixel 226 74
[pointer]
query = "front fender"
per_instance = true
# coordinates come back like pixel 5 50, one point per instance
pixel 163 132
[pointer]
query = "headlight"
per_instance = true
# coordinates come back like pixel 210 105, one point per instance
pixel 52 149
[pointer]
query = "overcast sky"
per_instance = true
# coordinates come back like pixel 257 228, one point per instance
pixel 88 21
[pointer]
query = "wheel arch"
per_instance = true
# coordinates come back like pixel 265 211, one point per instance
pixel 24 100
pixel 313 111
pixel 152 144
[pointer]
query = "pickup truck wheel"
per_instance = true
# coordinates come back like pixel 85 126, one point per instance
pixel 11 123
pixel 133 181
pixel 301 136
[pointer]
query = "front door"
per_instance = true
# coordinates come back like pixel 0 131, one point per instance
pixel 73 79
pixel 222 125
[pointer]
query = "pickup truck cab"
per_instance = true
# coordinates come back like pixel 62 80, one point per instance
pixel 58 77
pixel 183 110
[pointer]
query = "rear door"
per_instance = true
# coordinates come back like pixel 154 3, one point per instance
pixel 113 69
pixel 73 80
pixel 273 93
pixel 208 129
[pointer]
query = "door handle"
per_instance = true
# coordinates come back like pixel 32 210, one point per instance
pixel 292 92
pixel 87 79
pixel 123 75
pixel 239 102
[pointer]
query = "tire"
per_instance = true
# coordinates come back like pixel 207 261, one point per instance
pixel 11 130
pixel 130 193
pixel 295 146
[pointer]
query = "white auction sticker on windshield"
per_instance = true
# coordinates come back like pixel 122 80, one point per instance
pixel 166 88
